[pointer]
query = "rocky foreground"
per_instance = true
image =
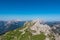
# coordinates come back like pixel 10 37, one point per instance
pixel 33 30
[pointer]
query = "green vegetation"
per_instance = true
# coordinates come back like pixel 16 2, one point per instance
pixel 18 35
pixel 39 37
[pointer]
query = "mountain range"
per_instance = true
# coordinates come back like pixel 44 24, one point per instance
pixel 29 30
pixel 5 26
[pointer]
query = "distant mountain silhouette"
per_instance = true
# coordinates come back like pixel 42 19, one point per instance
pixel 10 25
pixel 52 23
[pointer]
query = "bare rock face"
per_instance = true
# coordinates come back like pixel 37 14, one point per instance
pixel 38 27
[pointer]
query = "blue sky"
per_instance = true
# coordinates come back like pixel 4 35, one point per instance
pixel 30 9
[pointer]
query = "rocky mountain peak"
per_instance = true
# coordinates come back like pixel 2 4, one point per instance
pixel 37 20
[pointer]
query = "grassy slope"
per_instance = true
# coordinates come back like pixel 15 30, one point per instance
pixel 17 35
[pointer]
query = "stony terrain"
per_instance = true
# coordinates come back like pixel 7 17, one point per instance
pixel 33 30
